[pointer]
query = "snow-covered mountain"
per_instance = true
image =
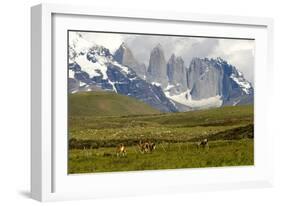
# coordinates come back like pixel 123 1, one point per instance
pixel 169 86
pixel 94 68
pixel 213 83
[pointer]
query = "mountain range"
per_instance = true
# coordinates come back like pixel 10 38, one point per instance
pixel 168 85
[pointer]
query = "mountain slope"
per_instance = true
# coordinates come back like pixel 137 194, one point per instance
pixel 95 68
pixel 166 86
pixel 213 83
pixel 124 55
pixel 106 104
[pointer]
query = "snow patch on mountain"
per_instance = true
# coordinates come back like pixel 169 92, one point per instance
pixel 185 99
pixel 93 69
pixel 74 91
pixel 170 86
pixel 236 102
pixel 81 84
pixel 245 85
pixel 71 74
pixel 156 84
pixel 124 68
pixel 77 45
pixel 113 85
pixel 167 86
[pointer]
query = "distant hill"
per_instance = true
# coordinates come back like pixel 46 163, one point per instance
pixel 106 104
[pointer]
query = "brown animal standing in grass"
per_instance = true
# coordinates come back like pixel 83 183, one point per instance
pixel 204 144
pixel 121 150
pixel 146 147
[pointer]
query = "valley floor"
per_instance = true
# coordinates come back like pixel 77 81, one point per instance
pixel 165 156
pixel 230 131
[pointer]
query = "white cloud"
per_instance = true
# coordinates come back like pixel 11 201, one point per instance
pixel 186 47
pixel 239 53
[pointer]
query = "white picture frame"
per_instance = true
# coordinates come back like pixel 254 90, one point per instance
pixel 49 179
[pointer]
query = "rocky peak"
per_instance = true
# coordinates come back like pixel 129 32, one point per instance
pixel 124 55
pixel 96 68
pixel 123 45
pixel 215 77
pixel 176 73
pixel 157 70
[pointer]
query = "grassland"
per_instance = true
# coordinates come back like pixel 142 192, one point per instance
pixel 171 156
pixel 106 104
pixel 95 129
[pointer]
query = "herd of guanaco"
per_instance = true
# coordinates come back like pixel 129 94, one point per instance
pixel 144 147
pixel 148 147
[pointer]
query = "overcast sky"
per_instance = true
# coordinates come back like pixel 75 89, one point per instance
pixel 237 52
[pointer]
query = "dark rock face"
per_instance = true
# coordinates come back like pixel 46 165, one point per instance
pixel 157 69
pixel 176 73
pixel 118 78
pixel 167 86
pixel 211 77
pixel 138 88
pixel 204 79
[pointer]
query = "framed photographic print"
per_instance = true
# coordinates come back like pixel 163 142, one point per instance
pixel 123 100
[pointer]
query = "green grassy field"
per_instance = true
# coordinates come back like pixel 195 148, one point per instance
pixel 166 156
pixel 106 104
pixel 95 129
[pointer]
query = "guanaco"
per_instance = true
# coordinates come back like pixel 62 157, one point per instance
pixel 121 150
